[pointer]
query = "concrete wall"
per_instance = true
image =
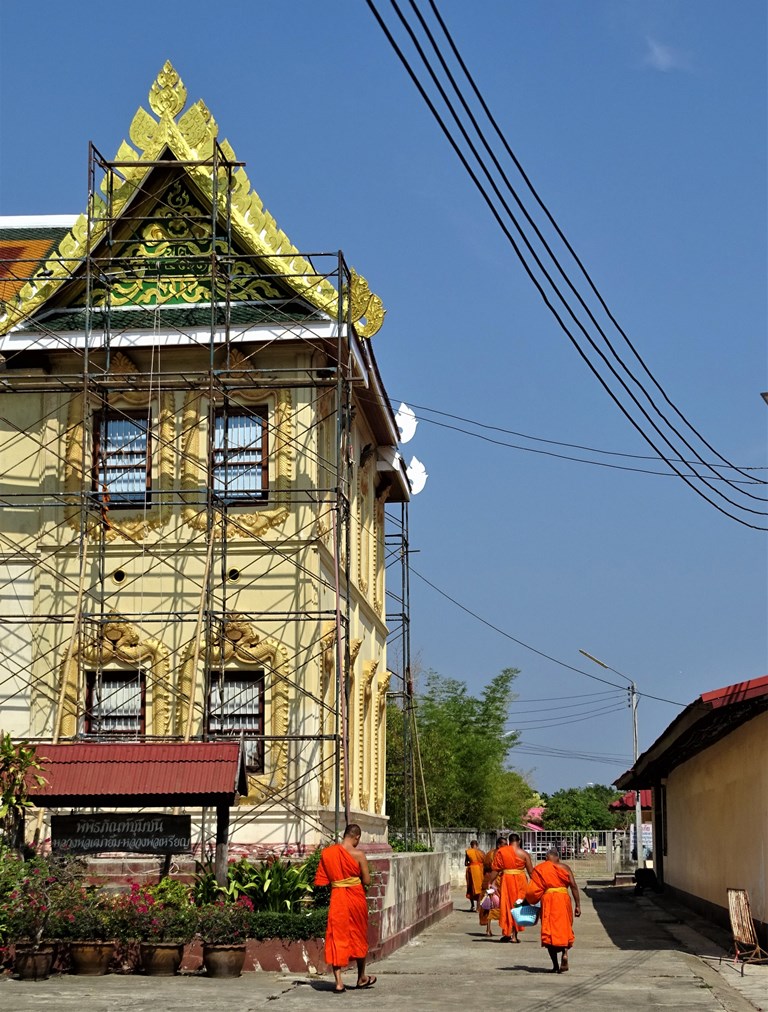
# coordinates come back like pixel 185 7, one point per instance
pixel 717 821
pixel 453 843
pixel 409 892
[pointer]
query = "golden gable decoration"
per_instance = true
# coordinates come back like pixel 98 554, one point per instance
pixel 193 137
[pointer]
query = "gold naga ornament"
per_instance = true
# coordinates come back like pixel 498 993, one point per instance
pixel 192 136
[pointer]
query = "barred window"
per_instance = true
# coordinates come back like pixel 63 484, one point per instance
pixel 115 702
pixel 235 707
pixel 239 469
pixel 122 466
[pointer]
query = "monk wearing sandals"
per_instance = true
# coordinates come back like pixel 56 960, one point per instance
pixel 550 882
pixel 345 868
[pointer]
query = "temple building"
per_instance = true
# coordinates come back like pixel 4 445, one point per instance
pixel 198 458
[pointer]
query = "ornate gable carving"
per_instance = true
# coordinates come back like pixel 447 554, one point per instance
pixel 193 137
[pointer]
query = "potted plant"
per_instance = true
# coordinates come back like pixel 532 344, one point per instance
pixel 26 917
pixel 162 920
pixel 90 922
pixel 223 928
pixel 30 897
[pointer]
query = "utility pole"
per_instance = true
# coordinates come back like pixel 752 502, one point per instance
pixel 636 755
pixel 633 699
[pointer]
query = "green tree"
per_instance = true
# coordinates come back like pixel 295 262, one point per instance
pixel 17 777
pixel 582 808
pixel 464 749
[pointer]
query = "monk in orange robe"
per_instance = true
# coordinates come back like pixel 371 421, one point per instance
pixel 345 868
pixel 510 863
pixel 486 916
pixel 473 862
pixel 550 882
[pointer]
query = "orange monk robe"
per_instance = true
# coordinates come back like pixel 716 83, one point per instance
pixel 493 913
pixel 474 873
pixel 549 883
pixel 512 883
pixel 346 934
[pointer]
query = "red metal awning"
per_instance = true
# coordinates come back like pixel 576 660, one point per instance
pixel 627 802
pixel 709 718
pixel 130 774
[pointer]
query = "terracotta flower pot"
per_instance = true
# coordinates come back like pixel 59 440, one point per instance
pixel 223 960
pixel 33 962
pixel 91 959
pixel 161 959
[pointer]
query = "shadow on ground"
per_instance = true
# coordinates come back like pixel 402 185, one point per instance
pixel 626 922
pixel 652 921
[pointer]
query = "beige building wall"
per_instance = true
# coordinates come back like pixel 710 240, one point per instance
pixel 283 554
pixel 717 820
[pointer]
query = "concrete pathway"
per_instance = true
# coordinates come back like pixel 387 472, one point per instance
pixel 625 958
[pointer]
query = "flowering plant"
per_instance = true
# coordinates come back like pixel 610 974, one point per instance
pixel 149 917
pixel 86 914
pixel 27 912
pixel 30 897
pixel 224 923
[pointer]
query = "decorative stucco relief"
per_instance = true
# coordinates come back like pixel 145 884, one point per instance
pixel 241 644
pixel 78 464
pixel 120 642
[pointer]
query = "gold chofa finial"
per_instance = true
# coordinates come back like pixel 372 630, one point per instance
pixel 167 95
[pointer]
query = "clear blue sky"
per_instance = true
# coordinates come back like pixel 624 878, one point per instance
pixel 644 127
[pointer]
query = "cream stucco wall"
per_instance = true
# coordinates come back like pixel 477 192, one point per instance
pixel 717 819
pixel 285 584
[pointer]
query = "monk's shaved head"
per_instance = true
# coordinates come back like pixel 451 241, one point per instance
pixel 514 838
pixel 553 853
pixel 353 830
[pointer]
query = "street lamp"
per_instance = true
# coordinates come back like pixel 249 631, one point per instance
pixel 636 753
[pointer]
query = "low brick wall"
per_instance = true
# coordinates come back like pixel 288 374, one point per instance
pixel 409 892
pixel 273 955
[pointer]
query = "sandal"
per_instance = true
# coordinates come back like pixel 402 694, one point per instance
pixel 339 990
pixel 369 982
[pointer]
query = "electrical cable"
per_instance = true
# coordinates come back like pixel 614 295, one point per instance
pixel 561 234
pixel 541 238
pixel 535 650
pixel 533 224
pixel 553 442
pixel 551 307
pixel 576 460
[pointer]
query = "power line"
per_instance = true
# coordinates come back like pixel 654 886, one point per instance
pixel 560 233
pixel 538 285
pixel 544 242
pixel 576 460
pixel 541 723
pixel 553 442
pixel 535 650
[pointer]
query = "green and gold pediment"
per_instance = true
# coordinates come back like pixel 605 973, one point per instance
pixel 161 265
pixel 168 262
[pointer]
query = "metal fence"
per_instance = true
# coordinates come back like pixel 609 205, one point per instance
pixel 604 849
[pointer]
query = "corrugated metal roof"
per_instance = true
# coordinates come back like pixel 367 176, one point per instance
pixel 627 802
pixel 710 717
pixel 173 771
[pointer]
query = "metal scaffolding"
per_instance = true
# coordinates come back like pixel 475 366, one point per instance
pixel 75 551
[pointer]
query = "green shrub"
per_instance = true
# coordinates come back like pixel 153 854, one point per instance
pixel 272 885
pixel 223 923
pixel 400 845
pixel 263 925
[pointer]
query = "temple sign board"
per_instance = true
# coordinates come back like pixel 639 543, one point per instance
pixel 144 833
